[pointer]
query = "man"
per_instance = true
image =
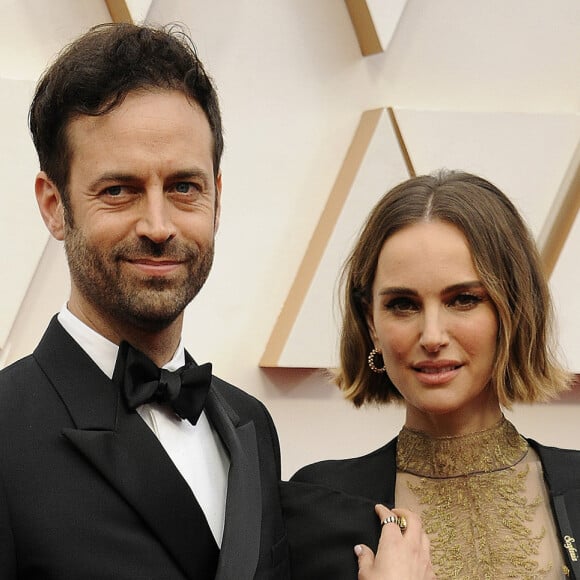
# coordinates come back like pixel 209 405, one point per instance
pixel 104 471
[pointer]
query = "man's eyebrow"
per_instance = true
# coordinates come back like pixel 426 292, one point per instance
pixel 112 176
pixel 190 174
pixel 123 177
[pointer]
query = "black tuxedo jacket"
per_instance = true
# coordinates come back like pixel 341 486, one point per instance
pixel 88 492
pixel 329 508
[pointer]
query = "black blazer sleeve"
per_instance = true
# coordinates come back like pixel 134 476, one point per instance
pixel 323 526
pixel 329 508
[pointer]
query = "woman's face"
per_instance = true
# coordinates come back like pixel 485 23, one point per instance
pixel 436 328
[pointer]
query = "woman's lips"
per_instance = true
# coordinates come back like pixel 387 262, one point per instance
pixel 437 373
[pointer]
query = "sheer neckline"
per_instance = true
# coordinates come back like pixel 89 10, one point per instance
pixel 497 448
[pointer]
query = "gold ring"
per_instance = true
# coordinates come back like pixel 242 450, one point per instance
pixel 402 523
pixel 390 520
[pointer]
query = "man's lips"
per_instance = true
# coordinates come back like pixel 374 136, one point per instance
pixel 153 267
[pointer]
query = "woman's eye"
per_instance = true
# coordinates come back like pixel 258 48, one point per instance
pixel 466 300
pixel 401 305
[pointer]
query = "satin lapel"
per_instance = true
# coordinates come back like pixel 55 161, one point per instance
pixel 241 541
pixel 571 549
pixel 122 448
pixel 562 474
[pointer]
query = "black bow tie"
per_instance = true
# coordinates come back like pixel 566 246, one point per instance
pixel 141 381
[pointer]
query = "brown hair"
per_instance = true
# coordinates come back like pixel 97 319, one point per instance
pixel 506 260
pixel 95 73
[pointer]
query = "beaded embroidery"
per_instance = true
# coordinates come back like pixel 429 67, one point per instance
pixel 471 490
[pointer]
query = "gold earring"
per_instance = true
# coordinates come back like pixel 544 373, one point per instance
pixel 371 361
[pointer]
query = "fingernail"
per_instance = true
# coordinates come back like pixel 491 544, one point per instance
pixel 358 550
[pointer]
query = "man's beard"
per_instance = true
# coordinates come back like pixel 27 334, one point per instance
pixel 150 303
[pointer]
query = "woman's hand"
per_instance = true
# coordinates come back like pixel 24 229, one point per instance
pixel 401 555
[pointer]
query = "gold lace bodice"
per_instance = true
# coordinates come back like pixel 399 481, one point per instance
pixel 483 504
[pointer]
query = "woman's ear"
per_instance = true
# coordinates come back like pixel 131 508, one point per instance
pixel 371 324
pixel 50 205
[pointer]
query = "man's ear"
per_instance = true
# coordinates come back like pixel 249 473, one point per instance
pixel 50 205
pixel 218 201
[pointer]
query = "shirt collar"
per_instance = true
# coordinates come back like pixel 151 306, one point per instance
pixel 102 351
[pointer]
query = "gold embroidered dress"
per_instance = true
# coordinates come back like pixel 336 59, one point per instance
pixel 483 503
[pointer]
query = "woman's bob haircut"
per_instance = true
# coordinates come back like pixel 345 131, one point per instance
pixel 507 262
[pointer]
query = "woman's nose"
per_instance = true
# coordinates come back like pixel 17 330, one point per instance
pixel 433 334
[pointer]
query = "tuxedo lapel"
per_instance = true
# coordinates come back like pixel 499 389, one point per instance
pixel 241 540
pixel 124 450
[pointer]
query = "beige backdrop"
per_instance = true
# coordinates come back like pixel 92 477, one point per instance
pixel 293 86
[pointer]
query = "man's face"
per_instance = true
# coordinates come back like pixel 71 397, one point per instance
pixel 144 208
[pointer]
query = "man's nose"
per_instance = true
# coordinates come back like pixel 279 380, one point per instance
pixel 155 221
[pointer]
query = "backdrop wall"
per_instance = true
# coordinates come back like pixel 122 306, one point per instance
pixel 293 86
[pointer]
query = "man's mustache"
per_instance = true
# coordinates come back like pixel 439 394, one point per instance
pixel 170 250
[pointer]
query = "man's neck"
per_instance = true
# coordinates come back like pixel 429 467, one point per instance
pixel 158 344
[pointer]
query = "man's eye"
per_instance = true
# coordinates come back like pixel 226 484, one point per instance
pixel 184 187
pixel 114 190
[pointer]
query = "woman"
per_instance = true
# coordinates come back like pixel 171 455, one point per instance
pixel 446 310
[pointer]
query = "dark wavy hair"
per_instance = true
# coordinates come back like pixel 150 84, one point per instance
pixel 93 74
pixel 506 260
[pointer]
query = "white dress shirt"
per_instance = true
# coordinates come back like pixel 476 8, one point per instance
pixel 196 450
